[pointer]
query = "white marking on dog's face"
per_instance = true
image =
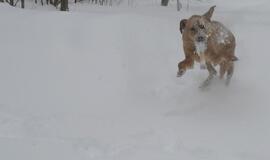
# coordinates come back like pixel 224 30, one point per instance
pixel 200 30
pixel 197 28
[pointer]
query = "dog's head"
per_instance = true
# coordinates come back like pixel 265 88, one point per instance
pixel 198 27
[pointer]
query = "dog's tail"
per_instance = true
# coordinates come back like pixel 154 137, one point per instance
pixel 234 58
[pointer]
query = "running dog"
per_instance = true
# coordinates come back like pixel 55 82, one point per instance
pixel 208 42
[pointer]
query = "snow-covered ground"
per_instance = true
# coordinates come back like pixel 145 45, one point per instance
pixel 99 83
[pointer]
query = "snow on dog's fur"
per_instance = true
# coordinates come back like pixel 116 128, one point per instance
pixel 208 42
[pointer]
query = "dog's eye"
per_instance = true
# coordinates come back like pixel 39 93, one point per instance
pixel 193 29
pixel 201 26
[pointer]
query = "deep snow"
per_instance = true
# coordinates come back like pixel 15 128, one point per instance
pixel 100 83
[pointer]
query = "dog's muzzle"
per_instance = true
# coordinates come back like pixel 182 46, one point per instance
pixel 200 39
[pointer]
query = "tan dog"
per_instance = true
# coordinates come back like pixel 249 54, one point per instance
pixel 208 42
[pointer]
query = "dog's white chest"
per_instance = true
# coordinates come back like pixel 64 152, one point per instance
pixel 200 50
pixel 200 47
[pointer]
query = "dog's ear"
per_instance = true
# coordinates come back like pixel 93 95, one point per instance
pixel 183 25
pixel 209 13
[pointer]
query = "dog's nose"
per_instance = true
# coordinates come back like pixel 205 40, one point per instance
pixel 200 39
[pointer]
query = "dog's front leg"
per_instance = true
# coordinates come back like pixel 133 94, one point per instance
pixel 188 62
pixel 184 65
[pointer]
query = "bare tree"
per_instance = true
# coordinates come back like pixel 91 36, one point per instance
pixel 22 3
pixel 187 4
pixel 179 5
pixel 101 2
pixel 56 2
pixel 164 2
pixel 11 2
pixel 64 5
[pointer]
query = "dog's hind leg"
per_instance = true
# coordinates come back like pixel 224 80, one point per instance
pixel 212 73
pixel 230 70
pixel 222 70
pixel 211 69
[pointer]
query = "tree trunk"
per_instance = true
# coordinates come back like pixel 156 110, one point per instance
pixel 179 5
pixel 101 2
pixel 22 3
pixel 164 2
pixel 11 2
pixel 55 3
pixel 64 5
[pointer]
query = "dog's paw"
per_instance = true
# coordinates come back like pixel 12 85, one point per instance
pixel 204 85
pixel 180 73
pixel 227 82
pixel 207 82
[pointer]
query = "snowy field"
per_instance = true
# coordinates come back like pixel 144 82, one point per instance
pixel 99 83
